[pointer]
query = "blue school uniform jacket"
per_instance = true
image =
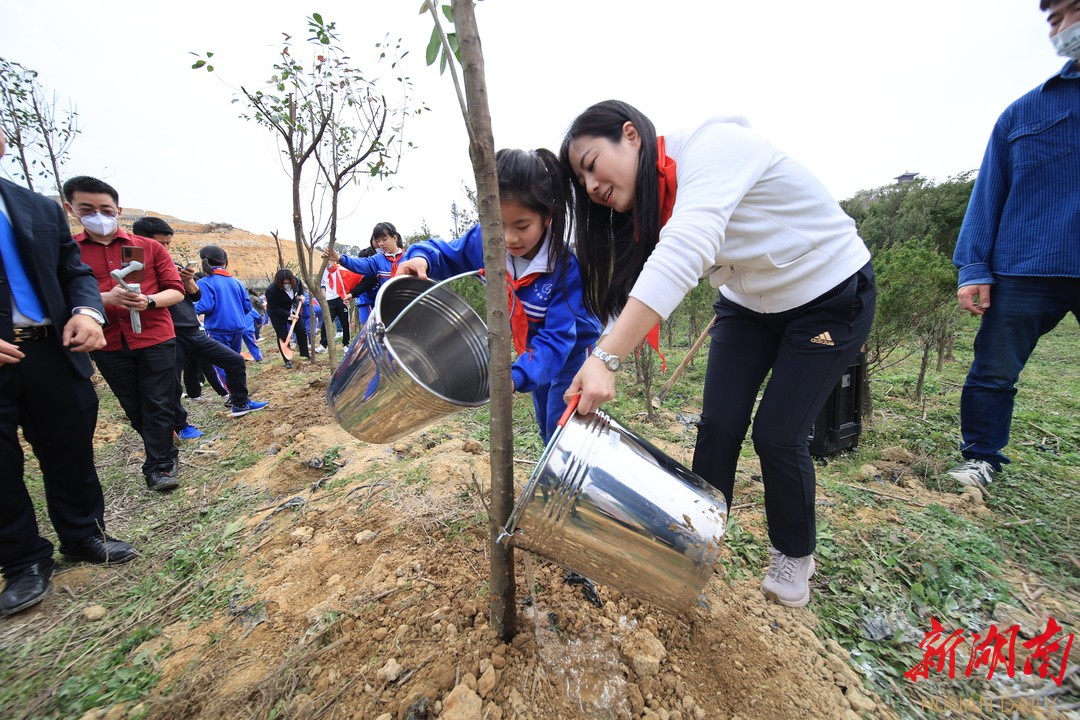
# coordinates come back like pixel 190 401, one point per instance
pixel 224 303
pixel 561 331
pixel 377 264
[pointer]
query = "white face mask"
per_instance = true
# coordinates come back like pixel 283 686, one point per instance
pixel 287 286
pixel 99 224
pixel 1067 42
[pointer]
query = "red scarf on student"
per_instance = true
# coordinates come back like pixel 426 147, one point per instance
pixel 221 271
pixel 519 321
pixel 665 173
pixel 393 262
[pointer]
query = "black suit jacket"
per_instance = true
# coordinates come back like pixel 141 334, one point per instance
pixel 52 262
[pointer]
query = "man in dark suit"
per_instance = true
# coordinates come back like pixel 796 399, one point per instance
pixel 50 318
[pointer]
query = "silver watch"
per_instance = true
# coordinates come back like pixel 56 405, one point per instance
pixel 612 361
pixel 91 312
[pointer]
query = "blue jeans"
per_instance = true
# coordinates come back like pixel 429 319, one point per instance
pixel 1022 310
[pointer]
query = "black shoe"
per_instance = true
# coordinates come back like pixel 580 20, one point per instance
pixel 161 480
pixel 100 549
pixel 27 589
pixel 288 364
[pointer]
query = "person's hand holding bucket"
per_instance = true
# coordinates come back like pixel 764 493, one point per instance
pixel 593 385
pixel 417 266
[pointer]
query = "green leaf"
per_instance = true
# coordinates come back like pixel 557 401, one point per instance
pixel 198 64
pixel 433 46
pixel 317 18
pixel 448 11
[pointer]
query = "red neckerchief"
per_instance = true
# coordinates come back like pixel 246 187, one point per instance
pixel 519 321
pixel 221 271
pixel 665 174
pixel 393 263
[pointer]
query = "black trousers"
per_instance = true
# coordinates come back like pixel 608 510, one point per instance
pixel 194 374
pixel 806 350
pixel 144 382
pixel 202 348
pixel 57 409
pixel 338 310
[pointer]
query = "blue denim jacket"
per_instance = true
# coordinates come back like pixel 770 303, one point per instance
pixel 1024 215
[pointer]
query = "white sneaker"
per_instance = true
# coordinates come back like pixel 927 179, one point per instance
pixel 320 349
pixel 977 473
pixel 788 579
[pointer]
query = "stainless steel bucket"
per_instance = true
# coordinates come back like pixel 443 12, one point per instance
pixel 421 355
pixel 608 505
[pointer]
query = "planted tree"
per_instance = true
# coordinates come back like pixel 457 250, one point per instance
pixel 464 47
pixel 40 127
pixel 336 129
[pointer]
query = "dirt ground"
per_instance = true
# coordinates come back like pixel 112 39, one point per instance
pixel 369 567
pixel 370 602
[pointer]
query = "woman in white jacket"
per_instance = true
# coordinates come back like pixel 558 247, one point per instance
pixel 656 214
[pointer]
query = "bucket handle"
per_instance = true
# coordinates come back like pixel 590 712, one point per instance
pixel 425 293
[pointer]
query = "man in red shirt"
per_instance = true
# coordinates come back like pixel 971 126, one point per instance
pixel 138 366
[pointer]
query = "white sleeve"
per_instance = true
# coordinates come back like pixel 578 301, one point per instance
pixel 716 166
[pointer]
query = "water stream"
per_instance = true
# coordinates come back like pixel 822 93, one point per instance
pixel 588 665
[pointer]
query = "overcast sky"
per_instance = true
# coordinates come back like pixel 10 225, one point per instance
pixel 858 90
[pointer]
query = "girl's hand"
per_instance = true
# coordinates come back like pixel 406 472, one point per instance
pixel 332 254
pixel 417 266
pixel 595 383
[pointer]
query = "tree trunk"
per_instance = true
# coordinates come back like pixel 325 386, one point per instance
pixel 482 154
pixel 923 365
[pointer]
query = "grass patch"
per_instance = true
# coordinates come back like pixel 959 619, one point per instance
pixel 60 665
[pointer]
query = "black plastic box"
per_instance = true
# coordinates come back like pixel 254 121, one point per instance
pixel 839 423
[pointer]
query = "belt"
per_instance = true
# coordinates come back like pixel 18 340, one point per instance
pixel 31 332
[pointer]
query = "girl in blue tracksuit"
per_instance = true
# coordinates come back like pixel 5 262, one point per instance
pixel 387 240
pixel 553 332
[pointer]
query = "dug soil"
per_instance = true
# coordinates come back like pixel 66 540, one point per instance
pixel 368 569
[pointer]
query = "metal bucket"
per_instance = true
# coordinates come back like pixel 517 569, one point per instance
pixel 421 355
pixel 608 505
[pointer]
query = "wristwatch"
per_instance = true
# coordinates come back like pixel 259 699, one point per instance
pixel 150 304
pixel 612 361
pixel 90 312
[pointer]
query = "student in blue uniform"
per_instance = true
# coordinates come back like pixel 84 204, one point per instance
pixel 224 305
pixel 553 332
pixel 383 264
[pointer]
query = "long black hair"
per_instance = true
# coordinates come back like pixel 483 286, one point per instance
pixel 614 246
pixel 534 179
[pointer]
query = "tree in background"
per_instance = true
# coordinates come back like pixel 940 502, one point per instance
pixel 335 129
pixel 39 130
pixel 911 229
pixel 463 218
pixel 916 305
